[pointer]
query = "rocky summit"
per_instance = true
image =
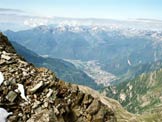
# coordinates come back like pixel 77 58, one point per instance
pixel 33 94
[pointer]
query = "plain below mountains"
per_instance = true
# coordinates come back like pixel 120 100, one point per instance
pixel 65 70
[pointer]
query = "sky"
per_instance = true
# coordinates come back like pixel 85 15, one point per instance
pixel 111 9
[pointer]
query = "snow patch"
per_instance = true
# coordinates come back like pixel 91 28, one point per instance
pixel 4 114
pixel 129 63
pixel 1 78
pixel 34 22
pixel 22 91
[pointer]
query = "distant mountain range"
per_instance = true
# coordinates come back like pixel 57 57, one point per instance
pixel 117 50
pixel 21 20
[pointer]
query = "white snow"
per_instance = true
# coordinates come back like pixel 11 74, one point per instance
pixel 129 62
pixel 1 78
pixel 4 114
pixel 22 91
pixel 34 22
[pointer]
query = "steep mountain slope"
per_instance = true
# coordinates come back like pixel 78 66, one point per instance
pixel 36 95
pixel 64 70
pixel 139 69
pixel 140 95
pixel 116 50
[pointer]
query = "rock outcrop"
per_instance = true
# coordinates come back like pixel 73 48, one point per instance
pixel 37 95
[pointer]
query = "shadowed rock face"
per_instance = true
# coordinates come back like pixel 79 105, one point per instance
pixel 5 44
pixel 48 99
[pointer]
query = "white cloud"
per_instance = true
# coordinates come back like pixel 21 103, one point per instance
pixel 33 22
pixel 11 10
